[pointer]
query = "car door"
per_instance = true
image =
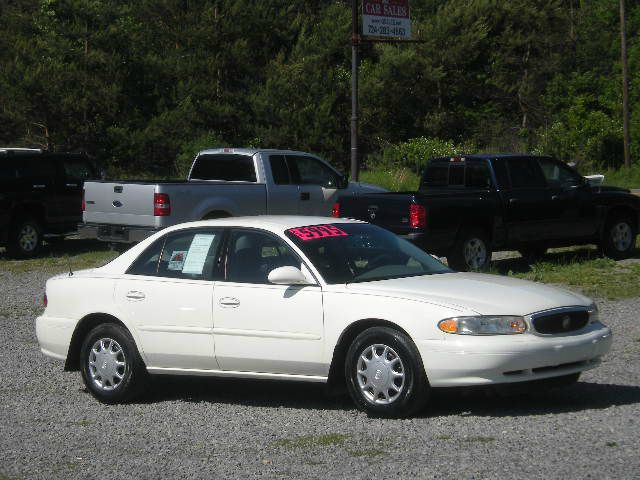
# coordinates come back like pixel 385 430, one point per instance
pixel 259 326
pixel 575 210
pixel 529 212
pixel 283 190
pixel 166 295
pixel 318 185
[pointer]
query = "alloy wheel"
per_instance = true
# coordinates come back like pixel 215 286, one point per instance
pixel 380 374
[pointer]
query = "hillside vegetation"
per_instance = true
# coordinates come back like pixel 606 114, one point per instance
pixel 142 85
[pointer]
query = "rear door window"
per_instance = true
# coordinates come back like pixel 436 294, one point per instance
pixel 477 175
pixel 190 254
pixel 525 173
pixel 280 170
pixel 77 170
pixel 229 167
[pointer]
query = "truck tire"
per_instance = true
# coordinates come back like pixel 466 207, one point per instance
pixel 619 237
pixel 25 238
pixel 471 251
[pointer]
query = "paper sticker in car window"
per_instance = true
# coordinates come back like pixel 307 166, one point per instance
pixel 176 260
pixel 197 254
pixel 317 231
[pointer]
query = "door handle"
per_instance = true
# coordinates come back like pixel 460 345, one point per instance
pixel 229 302
pixel 305 196
pixel 71 184
pixel 39 186
pixel 513 200
pixel 135 295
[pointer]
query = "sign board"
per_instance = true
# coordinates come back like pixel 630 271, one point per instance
pixel 386 18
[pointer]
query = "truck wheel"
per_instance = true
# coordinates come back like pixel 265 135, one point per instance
pixel 533 254
pixel 385 375
pixel 619 237
pixel 25 239
pixel 472 251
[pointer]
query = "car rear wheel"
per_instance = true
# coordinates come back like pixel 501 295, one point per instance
pixel 26 238
pixel 384 373
pixel 111 366
pixel 619 237
pixel 472 251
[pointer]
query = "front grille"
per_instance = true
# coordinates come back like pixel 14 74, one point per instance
pixel 561 322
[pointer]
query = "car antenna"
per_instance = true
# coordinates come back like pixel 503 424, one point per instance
pixel 69 263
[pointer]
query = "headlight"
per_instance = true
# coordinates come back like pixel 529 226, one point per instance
pixel 594 316
pixel 483 325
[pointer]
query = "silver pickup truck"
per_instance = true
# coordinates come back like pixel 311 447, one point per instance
pixel 221 183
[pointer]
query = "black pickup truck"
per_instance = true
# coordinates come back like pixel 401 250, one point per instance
pixel 468 206
pixel 40 194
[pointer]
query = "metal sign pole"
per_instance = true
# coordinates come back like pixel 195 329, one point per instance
pixel 355 170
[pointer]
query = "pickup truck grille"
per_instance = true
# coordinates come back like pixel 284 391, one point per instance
pixel 560 322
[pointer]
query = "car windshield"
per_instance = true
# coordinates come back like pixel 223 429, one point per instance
pixel 360 252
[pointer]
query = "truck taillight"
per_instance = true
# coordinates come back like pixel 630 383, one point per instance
pixel 84 205
pixel 161 205
pixel 335 211
pixel 417 216
pixel 45 301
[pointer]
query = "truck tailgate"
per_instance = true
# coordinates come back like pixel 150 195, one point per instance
pixel 119 203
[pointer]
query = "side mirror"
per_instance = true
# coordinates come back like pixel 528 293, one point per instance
pixel 288 276
pixel 343 181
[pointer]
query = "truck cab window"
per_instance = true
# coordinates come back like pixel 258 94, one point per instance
pixel 229 167
pixel 558 174
pixel 314 172
pixel 525 173
pixel 280 170
pixel 477 175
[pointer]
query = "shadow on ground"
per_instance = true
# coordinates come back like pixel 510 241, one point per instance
pixel 444 402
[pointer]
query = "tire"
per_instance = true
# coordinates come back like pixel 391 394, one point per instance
pixel 471 251
pixel 619 237
pixel 399 387
pixel 533 254
pixel 25 239
pixel 111 367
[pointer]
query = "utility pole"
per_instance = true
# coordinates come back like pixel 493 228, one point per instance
pixel 355 40
pixel 625 86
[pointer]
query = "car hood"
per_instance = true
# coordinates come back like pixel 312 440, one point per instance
pixel 479 293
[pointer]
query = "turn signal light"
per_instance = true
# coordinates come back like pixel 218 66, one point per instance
pixel 161 205
pixel 417 216
pixel 84 205
pixel 335 211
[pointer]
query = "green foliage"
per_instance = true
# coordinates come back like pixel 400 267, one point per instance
pixel 139 85
pixel 189 150
pixel 623 177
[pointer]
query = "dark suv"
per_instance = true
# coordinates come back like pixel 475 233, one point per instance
pixel 40 194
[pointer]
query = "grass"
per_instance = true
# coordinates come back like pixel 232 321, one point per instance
pixel 395 180
pixel 79 254
pixel 624 177
pixel 310 441
pixel 581 268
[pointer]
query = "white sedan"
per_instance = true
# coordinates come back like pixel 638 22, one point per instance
pixel 315 299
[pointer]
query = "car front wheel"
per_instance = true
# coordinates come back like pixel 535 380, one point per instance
pixel 384 373
pixel 111 366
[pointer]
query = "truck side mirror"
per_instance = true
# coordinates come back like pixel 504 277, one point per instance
pixel 343 181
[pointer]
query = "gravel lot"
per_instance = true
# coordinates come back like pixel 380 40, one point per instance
pixel 211 428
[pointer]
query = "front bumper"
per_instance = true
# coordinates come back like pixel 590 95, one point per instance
pixel 461 360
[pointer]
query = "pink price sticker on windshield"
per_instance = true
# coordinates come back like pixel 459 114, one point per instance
pixel 317 231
